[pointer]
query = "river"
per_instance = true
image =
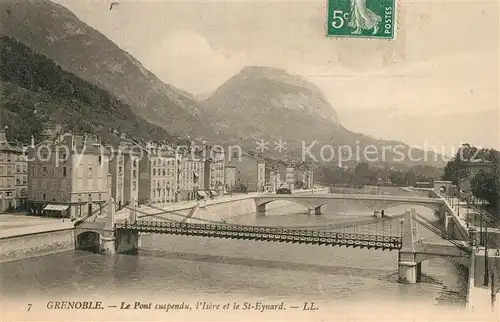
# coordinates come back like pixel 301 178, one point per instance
pixel 353 282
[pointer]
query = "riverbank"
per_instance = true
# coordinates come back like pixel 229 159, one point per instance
pixel 41 236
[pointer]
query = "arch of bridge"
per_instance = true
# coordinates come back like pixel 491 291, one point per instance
pixel 100 232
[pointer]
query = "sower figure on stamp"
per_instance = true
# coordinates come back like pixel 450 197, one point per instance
pixel 363 18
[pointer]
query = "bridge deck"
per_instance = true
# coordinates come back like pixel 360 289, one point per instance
pixel 268 234
pixel 442 248
pixel 352 197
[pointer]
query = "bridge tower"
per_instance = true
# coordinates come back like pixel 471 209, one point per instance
pixel 107 243
pixel 409 270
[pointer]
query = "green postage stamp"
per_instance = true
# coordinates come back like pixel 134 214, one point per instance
pixel 361 18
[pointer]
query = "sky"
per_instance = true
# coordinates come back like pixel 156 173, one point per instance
pixel 444 60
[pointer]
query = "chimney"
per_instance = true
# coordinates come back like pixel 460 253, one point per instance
pixel 3 139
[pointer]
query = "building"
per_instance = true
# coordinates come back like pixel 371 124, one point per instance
pixel 272 179
pixel 21 180
pixel 230 177
pixel 281 167
pixel 304 176
pixel 68 177
pixel 13 175
pixel 249 174
pixel 261 176
pixel 159 173
pixel 191 178
pixel 290 177
pixel 214 174
pixel 124 170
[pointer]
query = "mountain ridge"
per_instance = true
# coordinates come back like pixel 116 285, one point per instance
pixel 85 52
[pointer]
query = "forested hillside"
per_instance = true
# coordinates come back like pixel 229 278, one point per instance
pixel 35 93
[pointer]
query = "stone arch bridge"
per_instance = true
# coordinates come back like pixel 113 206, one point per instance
pixel 314 202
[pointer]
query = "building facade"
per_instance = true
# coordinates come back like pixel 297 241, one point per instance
pixel 21 180
pixel 247 173
pixel 230 177
pixel 10 188
pixel 68 177
pixel 124 170
pixel 214 174
pixel 261 176
pixel 290 177
pixel 191 178
pixel 159 172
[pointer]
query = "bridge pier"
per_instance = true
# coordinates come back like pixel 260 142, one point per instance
pixel 409 270
pixel 107 245
pixel 127 241
pixel 315 210
pixel 261 210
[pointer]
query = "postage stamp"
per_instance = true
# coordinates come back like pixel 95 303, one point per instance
pixel 361 18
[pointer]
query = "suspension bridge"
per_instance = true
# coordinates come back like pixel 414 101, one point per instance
pixel 389 233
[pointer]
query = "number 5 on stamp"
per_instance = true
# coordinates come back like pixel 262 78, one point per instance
pixel 361 18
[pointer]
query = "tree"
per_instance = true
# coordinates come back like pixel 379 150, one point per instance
pixel 485 185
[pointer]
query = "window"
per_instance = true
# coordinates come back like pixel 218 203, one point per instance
pixel 135 163
pixel 65 171
pixel 164 172
pixel 90 184
pixel 9 170
pixel 1 183
pixel 18 181
pixel 134 173
pixel 9 183
pixel 18 168
pixel 44 196
pixel 90 197
pixel 44 170
pixel 100 159
pixel 90 172
pixel 120 170
pixel 154 171
pixel 1 171
pixel 134 185
pixel 9 157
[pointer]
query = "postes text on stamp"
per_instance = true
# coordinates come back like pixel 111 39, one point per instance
pixel 361 18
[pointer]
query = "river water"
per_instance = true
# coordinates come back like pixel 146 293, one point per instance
pixel 352 282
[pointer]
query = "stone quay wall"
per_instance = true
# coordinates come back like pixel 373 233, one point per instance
pixel 24 246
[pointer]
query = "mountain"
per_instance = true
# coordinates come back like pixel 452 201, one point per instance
pixel 57 33
pixel 36 94
pixel 264 103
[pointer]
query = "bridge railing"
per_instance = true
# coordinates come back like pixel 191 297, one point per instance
pixel 264 233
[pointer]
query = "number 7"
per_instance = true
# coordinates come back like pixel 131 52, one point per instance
pixel 29 307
